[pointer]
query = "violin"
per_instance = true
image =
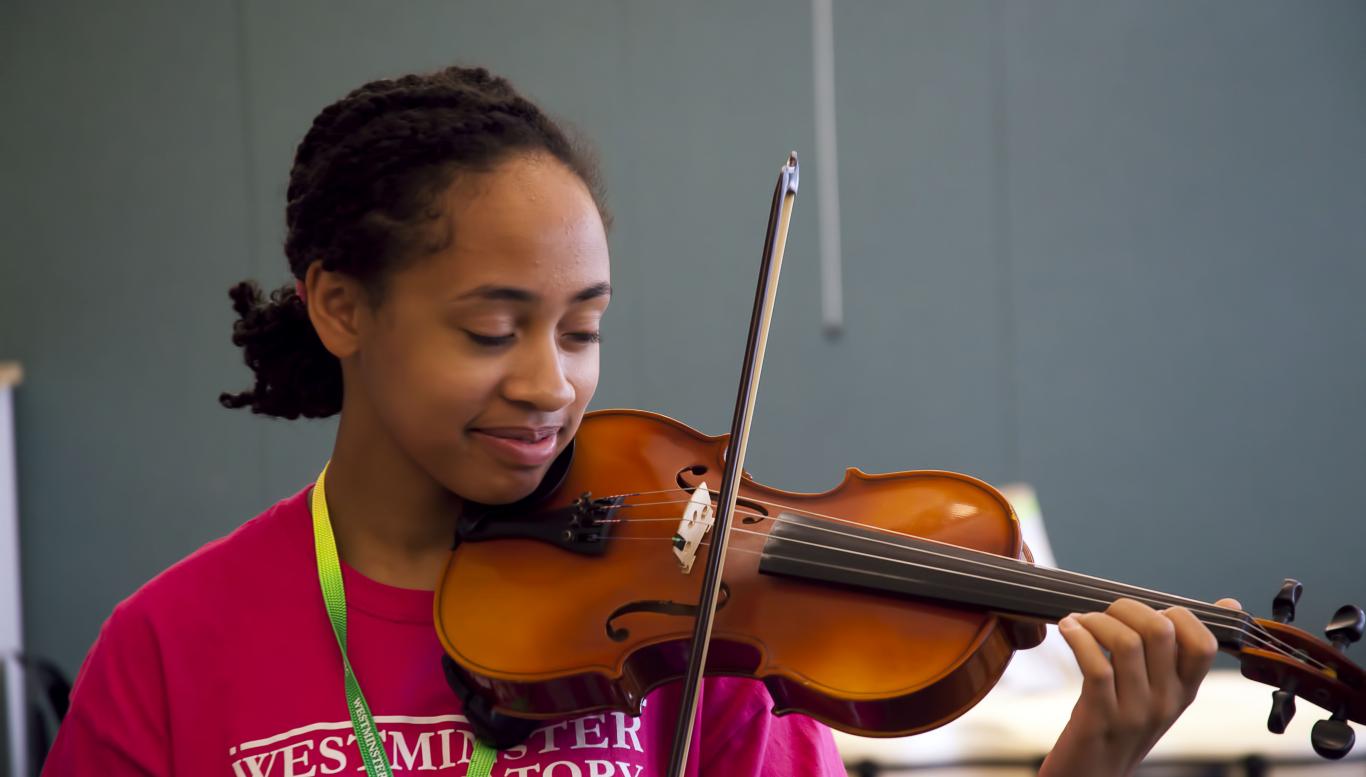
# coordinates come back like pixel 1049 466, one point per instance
pixel 885 606
pixel 888 625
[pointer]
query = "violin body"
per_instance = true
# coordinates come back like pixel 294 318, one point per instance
pixel 545 632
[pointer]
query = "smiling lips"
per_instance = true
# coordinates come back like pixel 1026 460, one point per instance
pixel 526 446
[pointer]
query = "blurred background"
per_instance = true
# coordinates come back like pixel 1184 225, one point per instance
pixel 1114 250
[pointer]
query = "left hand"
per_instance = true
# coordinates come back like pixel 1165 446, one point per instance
pixel 1129 700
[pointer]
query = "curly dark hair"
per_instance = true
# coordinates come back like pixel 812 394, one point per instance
pixel 361 200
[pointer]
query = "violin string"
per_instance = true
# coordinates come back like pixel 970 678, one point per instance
pixel 1213 612
pixel 1191 604
pixel 1194 605
pixel 631 494
pixel 1254 637
pixel 662 502
pixel 1257 638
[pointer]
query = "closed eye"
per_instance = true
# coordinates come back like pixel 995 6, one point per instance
pixel 489 341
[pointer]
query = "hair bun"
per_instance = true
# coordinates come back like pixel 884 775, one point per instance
pixel 295 375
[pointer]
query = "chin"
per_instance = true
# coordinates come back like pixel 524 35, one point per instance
pixel 501 488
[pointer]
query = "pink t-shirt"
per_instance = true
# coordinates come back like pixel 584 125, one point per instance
pixel 225 664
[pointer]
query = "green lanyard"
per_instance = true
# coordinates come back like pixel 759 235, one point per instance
pixel 362 722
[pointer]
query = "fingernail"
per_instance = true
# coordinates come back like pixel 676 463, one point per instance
pixel 1068 623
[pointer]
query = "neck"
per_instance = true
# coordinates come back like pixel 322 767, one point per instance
pixel 393 522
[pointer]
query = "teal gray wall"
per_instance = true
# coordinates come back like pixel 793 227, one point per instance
pixel 1112 249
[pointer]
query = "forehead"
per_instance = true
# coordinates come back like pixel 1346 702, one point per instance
pixel 529 222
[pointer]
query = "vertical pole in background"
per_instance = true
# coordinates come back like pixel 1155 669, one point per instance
pixel 11 617
pixel 827 166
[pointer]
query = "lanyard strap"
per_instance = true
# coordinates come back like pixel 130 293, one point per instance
pixel 334 596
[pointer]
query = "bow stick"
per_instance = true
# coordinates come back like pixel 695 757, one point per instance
pixel 775 240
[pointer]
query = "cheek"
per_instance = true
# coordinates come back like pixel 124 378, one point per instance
pixel 452 393
pixel 582 373
pixel 429 394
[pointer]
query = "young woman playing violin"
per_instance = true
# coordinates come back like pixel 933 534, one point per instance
pixel 451 263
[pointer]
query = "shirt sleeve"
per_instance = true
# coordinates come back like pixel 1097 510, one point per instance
pixel 744 737
pixel 117 723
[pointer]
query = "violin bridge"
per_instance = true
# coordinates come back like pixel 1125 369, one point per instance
pixel 697 520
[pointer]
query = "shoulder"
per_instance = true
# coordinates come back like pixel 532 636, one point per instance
pixel 192 604
pixel 249 561
pixel 121 703
pixel 257 548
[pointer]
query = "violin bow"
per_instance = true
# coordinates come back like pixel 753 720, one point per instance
pixel 775 241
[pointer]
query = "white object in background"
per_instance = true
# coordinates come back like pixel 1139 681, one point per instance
pixel 1051 664
pixel 11 616
pixel 827 166
pixel 1225 724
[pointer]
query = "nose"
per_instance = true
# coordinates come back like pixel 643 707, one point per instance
pixel 538 376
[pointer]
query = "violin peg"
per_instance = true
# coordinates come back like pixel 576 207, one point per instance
pixel 1282 710
pixel 1283 606
pixel 1346 626
pixel 1332 737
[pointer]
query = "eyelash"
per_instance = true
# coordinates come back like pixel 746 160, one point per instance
pixel 494 341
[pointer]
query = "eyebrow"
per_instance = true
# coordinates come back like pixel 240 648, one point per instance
pixel 514 294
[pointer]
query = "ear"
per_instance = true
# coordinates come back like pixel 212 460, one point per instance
pixel 336 306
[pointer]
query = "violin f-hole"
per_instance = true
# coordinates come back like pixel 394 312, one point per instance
pixel 755 512
pixel 759 514
pixel 660 607
pixel 696 470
